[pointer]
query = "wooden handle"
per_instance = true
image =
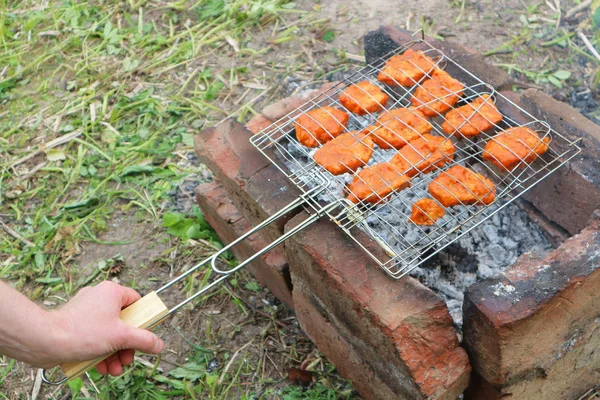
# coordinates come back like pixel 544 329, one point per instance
pixel 141 314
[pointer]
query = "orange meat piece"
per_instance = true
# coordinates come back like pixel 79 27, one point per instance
pixel 397 127
pixel 425 212
pixel 363 98
pixel 438 94
pixel 406 69
pixel 423 155
pixel 475 117
pixel 513 147
pixel 320 125
pixel 374 183
pixel 459 185
pixel 345 153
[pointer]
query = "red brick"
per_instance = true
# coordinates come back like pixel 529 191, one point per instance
pixel 256 187
pixel 400 329
pixel 282 107
pixel 580 182
pixel 271 269
pixel 285 106
pixel 533 331
pixel 339 351
pixel 258 123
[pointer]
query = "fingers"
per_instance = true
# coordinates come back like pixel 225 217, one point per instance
pixel 128 296
pixel 114 365
pixel 141 340
pixel 102 368
pixel 126 356
pixel 123 358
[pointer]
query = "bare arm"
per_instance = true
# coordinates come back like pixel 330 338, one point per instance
pixel 85 328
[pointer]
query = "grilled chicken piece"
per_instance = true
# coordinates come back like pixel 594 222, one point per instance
pixel 423 155
pixel 475 117
pixel 373 183
pixel 425 212
pixel 320 125
pixel 345 153
pixel 515 147
pixel 395 128
pixel 406 69
pixel 459 185
pixel 363 98
pixel 438 94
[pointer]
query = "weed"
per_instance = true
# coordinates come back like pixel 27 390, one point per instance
pixel 99 103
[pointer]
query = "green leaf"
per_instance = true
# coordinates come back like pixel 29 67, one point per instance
pixel 170 219
pixel 187 139
pixel 180 229
pixel 190 371
pixel 213 8
pixel 39 259
pixel 554 81
pixel 55 155
pixel 92 171
pixel 49 281
pixel 213 89
pixel 163 379
pixel 137 169
pixel 252 286
pixel 562 75
pixel 328 36
pixel 89 203
pixel 194 232
pixel 75 385
pixel 523 20
pixel 596 18
pixel 107 29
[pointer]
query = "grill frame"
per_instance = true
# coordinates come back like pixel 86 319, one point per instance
pixel 275 140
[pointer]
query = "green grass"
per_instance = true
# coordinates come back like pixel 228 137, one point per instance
pixel 99 102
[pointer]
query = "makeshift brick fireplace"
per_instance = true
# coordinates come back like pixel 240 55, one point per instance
pixel 529 332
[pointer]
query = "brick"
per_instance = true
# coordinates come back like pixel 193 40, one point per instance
pixel 285 106
pixel 339 351
pixel 282 107
pixel 580 180
pixel 256 187
pixel 533 331
pixel 400 329
pixel 380 42
pixel 271 269
pixel 258 123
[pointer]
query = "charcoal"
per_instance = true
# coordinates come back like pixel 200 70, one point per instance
pixel 484 271
pixel 496 220
pixel 509 243
pixel 491 232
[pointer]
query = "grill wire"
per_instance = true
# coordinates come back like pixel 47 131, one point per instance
pixel 387 221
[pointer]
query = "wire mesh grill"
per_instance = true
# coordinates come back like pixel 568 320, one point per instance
pixel 384 205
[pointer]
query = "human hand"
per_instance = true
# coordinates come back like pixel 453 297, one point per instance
pixel 88 327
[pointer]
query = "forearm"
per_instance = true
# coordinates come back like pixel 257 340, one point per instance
pixel 27 332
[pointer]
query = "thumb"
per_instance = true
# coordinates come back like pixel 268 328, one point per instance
pixel 141 340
